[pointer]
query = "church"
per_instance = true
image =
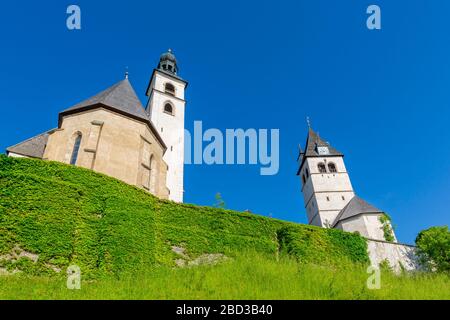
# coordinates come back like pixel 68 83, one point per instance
pixel 114 134
pixel 329 198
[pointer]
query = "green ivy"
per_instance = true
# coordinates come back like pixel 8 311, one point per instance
pixel 69 215
pixel 387 227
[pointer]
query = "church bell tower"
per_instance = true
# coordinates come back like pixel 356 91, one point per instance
pixel 166 107
pixel 326 185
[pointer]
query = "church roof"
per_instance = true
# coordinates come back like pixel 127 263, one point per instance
pixel 33 147
pixel 312 142
pixel 121 98
pixel 355 207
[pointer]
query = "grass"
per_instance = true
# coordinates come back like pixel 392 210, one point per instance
pixel 248 276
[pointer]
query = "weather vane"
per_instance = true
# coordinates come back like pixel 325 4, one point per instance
pixel 308 121
pixel 126 72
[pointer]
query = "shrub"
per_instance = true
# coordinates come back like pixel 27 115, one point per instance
pixel 434 248
pixel 316 245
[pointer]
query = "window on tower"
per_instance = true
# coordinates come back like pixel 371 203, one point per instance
pixel 304 179
pixel 322 168
pixel 168 108
pixel 170 89
pixel 307 173
pixel 332 167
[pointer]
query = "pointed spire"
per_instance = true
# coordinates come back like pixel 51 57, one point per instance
pixel 313 141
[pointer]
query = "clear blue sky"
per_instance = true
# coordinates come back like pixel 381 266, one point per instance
pixel 381 97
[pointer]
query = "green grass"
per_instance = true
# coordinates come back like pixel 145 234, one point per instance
pixel 249 276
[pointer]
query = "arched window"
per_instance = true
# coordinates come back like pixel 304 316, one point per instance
pixel 152 177
pixel 170 89
pixel 332 167
pixel 168 108
pixel 76 149
pixel 304 179
pixel 322 168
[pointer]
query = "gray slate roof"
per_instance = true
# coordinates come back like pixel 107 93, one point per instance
pixel 315 140
pixel 33 147
pixel 120 96
pixel 355 207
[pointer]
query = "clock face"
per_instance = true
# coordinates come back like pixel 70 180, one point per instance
pixel 323 150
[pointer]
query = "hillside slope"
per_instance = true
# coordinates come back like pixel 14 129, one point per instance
pixel 53 215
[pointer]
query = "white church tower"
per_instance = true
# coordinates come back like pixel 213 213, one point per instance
pixel 166 107
pixel 328 194
pixel 326 185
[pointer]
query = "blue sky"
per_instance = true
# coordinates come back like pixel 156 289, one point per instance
pixel 381 97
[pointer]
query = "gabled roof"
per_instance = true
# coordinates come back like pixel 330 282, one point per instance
pixel 313 141
pixel 33 147
pixel 121 98
pixel 355 207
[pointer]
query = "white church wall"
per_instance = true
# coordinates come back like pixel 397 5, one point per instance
pixel 328 217
pixel 333 200
pixel 307 187
pixel 375 227
pixel 398 255
pixel 354 224
pixel 324 182
pixel 161 79
pixel 367 225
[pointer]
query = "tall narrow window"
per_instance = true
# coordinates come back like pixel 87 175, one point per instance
pixel 170 89
pixel 152 177
pixel 304 179
pixel 332 167
pixel 76 149
pixel 322 168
